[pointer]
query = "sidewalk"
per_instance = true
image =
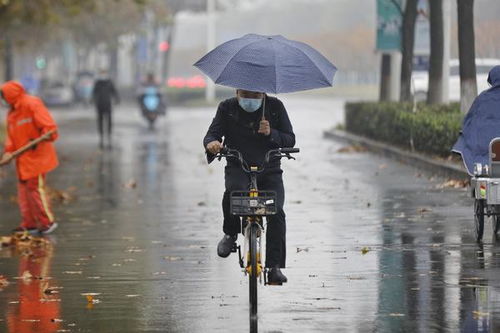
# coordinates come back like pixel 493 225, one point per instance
pixel 443 168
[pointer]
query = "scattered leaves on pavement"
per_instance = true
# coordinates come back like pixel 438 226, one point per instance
pixel 23 240
pixel 365 250
pixel 424 210
pixel 169 258
pixel 352 149
pixel 90 294
pixel 91 300
pixel 3 282
pixel 453 183
pixel 134 249
pixel 131 184
pixel 26 276
pixel 6 241
pixel 51 290
pixel 62 196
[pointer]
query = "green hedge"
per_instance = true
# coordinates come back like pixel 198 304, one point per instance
pixel 434 129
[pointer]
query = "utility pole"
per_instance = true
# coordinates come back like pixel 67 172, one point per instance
pixel 210 89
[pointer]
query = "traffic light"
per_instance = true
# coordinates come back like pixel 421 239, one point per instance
pixel 164 46
pixel 41 62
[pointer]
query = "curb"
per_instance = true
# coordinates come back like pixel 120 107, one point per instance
pixel 437 167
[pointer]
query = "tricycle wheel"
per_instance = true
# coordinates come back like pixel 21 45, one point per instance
pixel 479 219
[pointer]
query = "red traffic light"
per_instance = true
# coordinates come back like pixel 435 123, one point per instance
pixel 163 46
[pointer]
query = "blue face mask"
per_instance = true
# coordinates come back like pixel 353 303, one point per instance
pixel 250 104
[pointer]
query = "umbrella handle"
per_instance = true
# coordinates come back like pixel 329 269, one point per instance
pixel 264 107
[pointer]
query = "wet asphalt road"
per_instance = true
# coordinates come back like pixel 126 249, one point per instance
pixel 373 245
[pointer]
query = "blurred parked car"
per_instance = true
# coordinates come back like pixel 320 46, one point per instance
pixel 56 93
pixel 84 83
pixel 193 82
pixel 483 66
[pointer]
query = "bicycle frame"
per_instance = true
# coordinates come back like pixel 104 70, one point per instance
pixel 252 219
pixel 245 264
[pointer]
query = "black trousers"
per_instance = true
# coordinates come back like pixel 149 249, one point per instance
pixel 270 180
pixel 104 122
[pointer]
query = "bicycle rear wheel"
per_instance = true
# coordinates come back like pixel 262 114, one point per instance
pixel 496 224
pixel 479 219
pixel 254 273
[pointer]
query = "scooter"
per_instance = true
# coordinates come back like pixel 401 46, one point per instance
pixel 152 105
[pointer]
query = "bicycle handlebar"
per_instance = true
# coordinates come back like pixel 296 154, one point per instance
pixel 279 153
pixel 289 150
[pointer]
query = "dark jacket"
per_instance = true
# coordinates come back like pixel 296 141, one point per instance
pixel 103 93
pixel 239 130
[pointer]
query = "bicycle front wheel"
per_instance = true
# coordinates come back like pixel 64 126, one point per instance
pixel 254 269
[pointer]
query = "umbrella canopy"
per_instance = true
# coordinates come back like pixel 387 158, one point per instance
pixel 271 64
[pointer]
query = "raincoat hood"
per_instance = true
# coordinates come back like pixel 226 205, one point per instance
pixel 494 76
pixel 12 91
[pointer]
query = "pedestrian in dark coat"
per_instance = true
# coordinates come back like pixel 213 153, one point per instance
pixel 103 94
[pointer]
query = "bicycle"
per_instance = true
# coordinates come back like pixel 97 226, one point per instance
pixel 252 206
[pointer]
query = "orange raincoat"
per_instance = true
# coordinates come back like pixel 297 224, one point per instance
pixel 27 120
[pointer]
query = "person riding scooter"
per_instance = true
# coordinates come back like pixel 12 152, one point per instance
pixel 151 100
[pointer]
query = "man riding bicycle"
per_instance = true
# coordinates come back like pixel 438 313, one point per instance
pixel 244 127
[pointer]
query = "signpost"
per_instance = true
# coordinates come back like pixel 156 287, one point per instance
pixel 389 21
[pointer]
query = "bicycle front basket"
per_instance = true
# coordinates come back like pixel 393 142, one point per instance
pixel 260 203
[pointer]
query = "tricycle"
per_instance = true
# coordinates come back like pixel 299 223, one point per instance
pixel 485 189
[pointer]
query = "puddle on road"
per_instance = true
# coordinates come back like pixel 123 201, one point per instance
pixel 369 248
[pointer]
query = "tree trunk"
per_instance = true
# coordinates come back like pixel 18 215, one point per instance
pixel 113 61
pixel 466 53
pixel 408 41
pixel 385 78
pixel 435 90
pixel 8 59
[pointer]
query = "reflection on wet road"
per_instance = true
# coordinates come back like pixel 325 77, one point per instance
pixel 373 245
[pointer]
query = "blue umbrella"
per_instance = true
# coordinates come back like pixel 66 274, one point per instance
pixel 271 64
